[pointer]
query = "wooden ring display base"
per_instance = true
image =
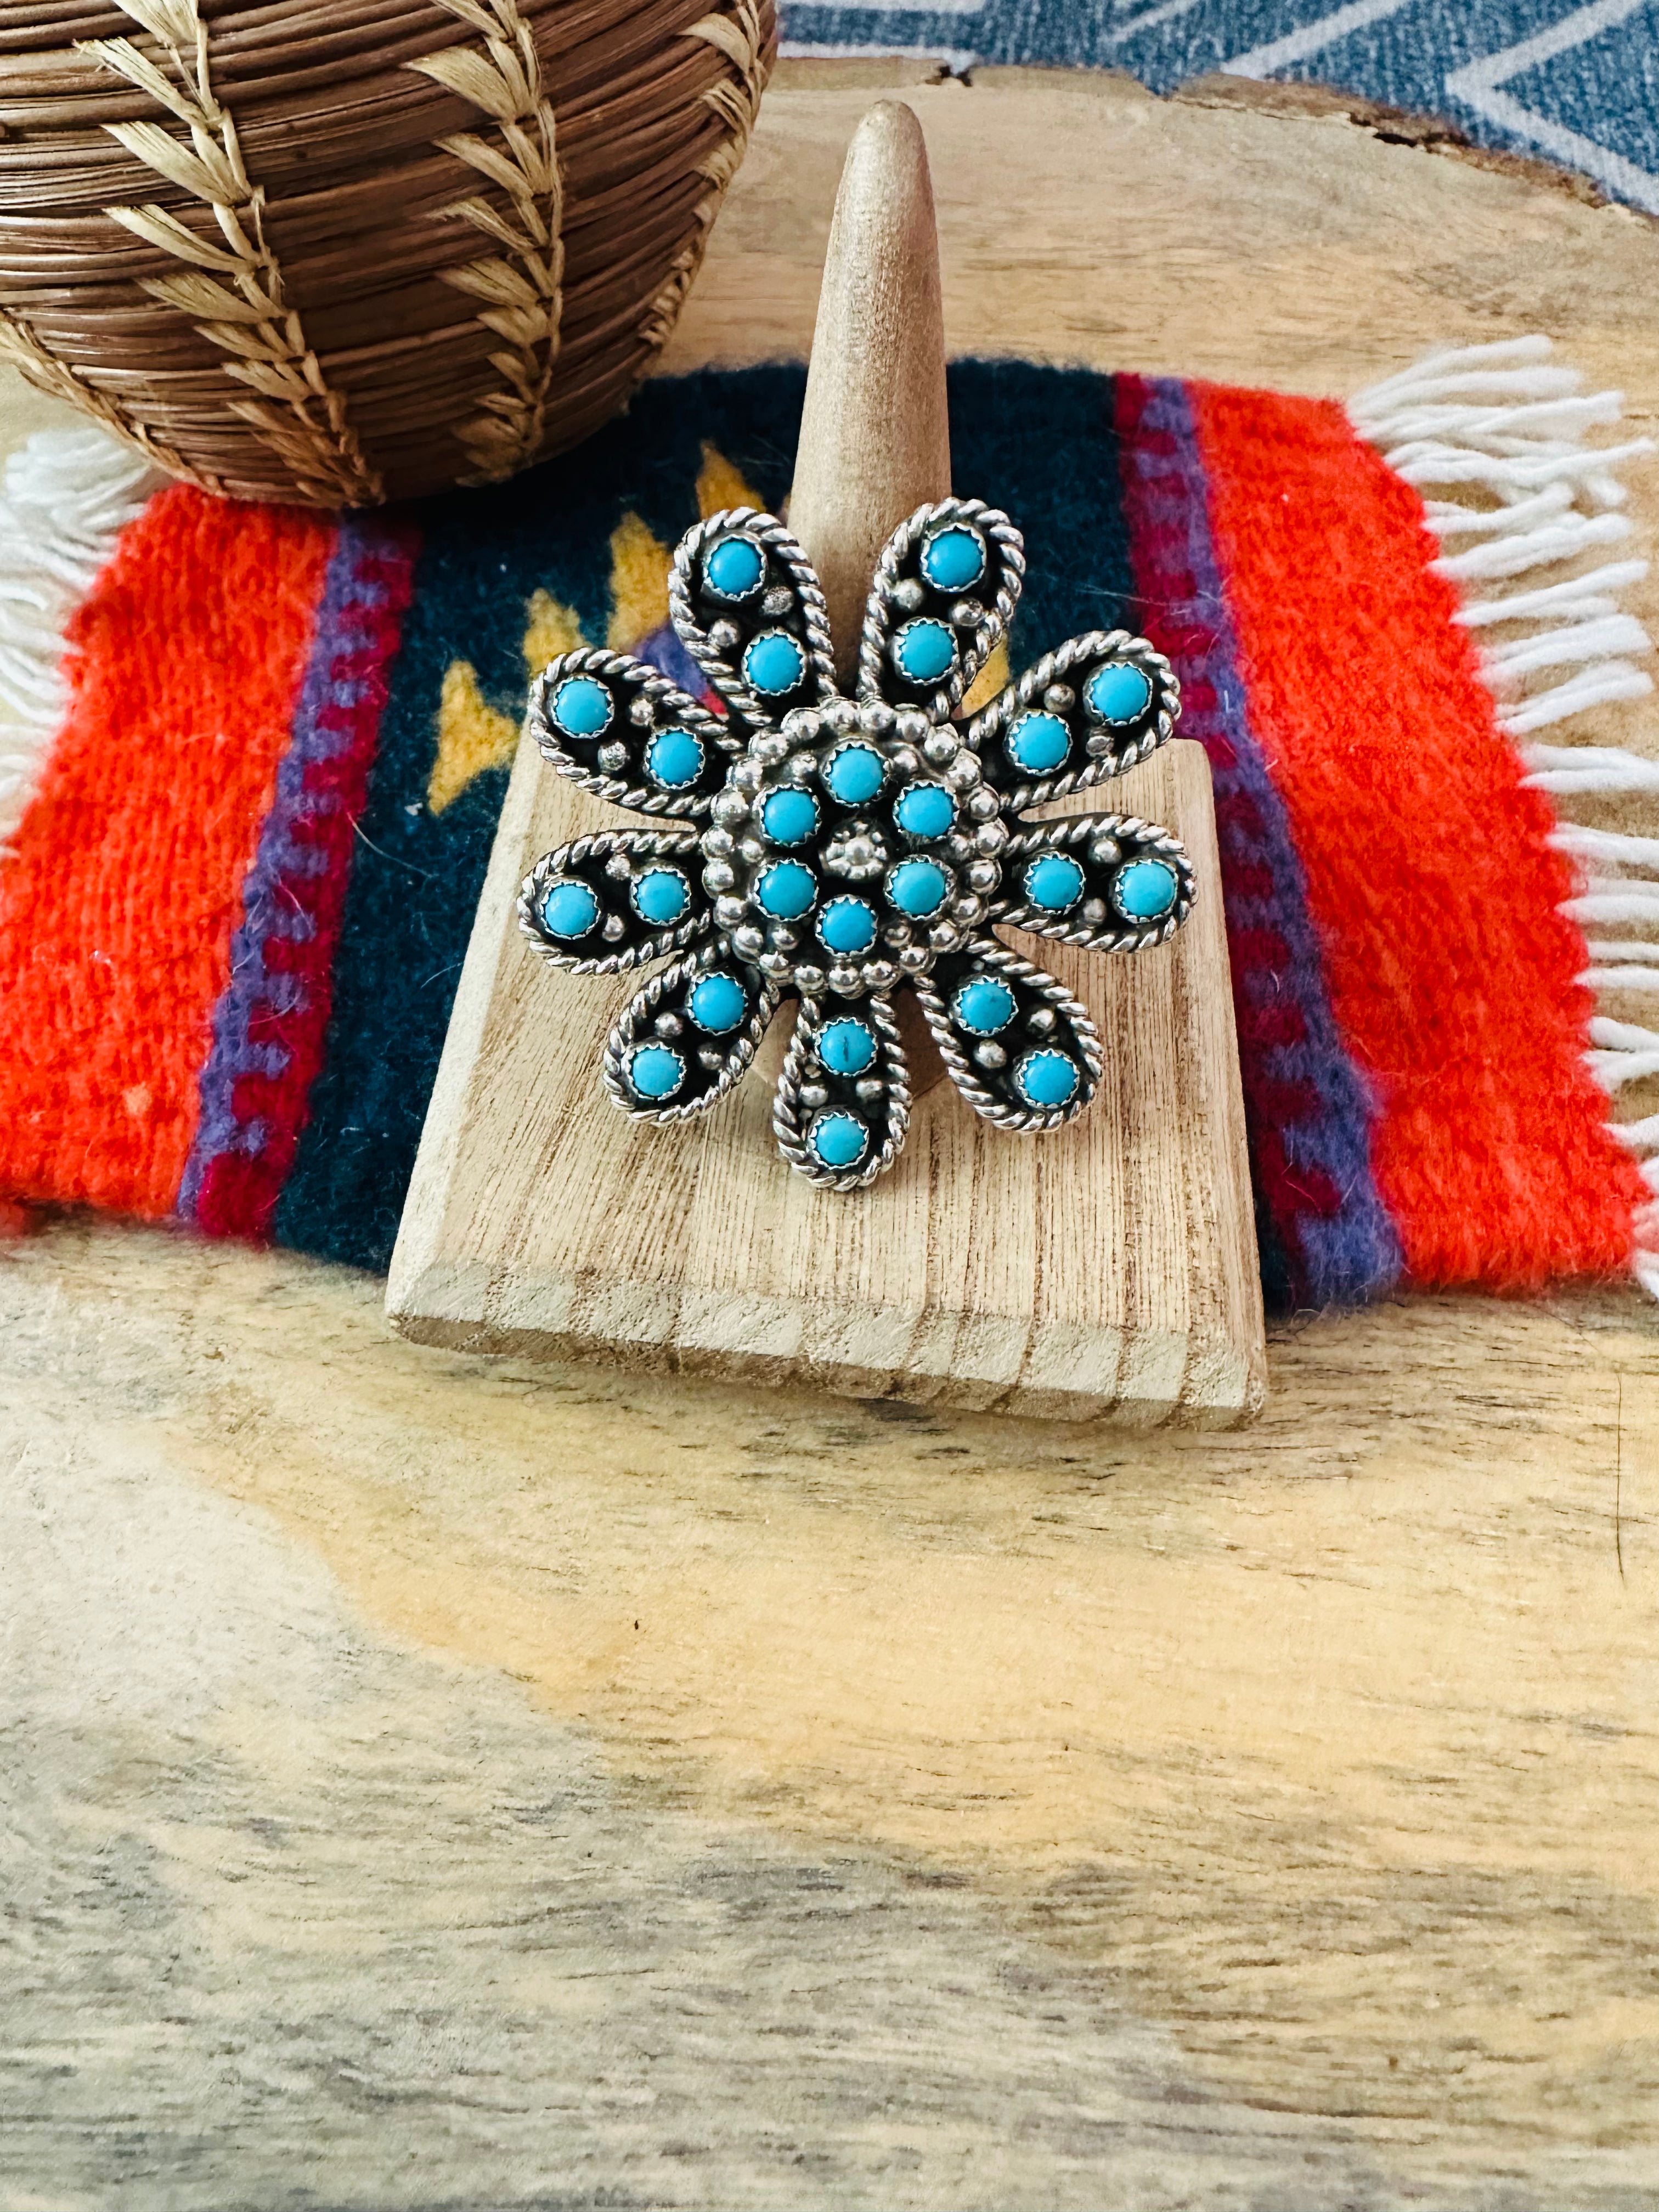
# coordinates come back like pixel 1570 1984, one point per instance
pixel 1109 1267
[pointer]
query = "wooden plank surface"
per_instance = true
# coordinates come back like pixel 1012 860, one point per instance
pixel 432 1780
pixel 1109 1267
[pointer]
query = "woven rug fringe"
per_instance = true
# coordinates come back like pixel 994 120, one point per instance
pixel 1507 427
pixel 68 495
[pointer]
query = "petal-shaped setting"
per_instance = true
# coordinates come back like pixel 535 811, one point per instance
pixel 623 731
pixel 1106 881
pixel 686 1036
pixel 945 588
pixel 1088 711
pixel 748 609
pixel 612 901
pixel 1018 1045
pixel 843 1099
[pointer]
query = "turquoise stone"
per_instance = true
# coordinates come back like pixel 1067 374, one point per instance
pixel 789 817
pixel 840 1139
pixel 655 1070
pixel 674 758
pixel 581 708
pixel 570 910
pixel 773 663
pixel 1054 881
pixel 926 811
pixel 983 1006
pixel 1144 889
pixel 786 889
pixel 717 1003
pixel 846 1046
pixel 1037 743
pixel 954 558
pixel 1047 1078
pixel 1120 692
pixel 847 925
pixel 734 568
pixel 661 896
pixel 917 888
pixel 925 651
pixel 854 774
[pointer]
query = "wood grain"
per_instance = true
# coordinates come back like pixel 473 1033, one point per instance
pixel 875 432
pixel 1323 1752
pixel 981 1813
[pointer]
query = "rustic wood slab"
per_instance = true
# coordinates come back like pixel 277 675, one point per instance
pixel 433 1780
pixel 1107 1268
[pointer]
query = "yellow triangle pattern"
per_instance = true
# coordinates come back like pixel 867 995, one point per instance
pixel 638 585
pixel 552 629
pixel 720 485
pixel 472 736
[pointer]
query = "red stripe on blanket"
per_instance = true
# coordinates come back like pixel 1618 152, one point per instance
pixel 1451 974
pixel 116 912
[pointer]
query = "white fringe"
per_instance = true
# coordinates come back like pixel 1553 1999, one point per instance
pixel 1566 770
pixel 67 494
pixel 1499 434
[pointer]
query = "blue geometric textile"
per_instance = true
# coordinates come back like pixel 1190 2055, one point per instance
pixel 1577 84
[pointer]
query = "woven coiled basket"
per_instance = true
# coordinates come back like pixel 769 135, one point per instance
pixel 345 251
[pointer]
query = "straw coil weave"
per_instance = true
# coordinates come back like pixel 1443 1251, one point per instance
pixel 346 250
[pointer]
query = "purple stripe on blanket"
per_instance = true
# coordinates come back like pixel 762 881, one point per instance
pixel 1308 1107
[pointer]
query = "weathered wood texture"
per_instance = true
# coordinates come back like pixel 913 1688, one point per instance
pixel 432 1781
pixel 1108 1267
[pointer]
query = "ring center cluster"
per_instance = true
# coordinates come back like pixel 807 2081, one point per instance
pixel 852 847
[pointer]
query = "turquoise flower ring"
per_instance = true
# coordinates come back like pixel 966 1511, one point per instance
pixel 953 559
pixel 775 663
pixel 925 811
pixel 1145 891
pixel 570 911
pixel 717 1003
pixel 983 1006
pixel 581 706
pixel 843 847
pixel 785 890
pixel 925 652
pixel 846 1046
pixel 789 815
pixel 1037 744
pixel 661 896
pixel 734 568
pixel 847 925
pixel 674 759
pixel 1118 693
pixel 655 1072
pixel 1053 883
pixel 917 889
